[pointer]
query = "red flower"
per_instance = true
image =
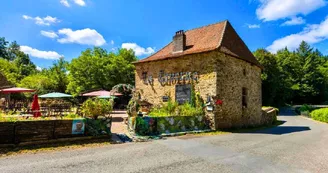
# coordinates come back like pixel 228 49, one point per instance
pixel 218 102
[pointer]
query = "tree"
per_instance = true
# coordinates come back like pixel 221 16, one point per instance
pixel 97 69
pixel 10 71
pixel 39 82
pixel 273 91
pixel 3 48
pixel 57 73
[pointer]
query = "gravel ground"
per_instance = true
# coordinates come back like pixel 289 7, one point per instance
pixel 298 145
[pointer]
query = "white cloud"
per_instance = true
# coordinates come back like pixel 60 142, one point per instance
pixel 138 49
pixel 47 21
pixel 271 10
pixel 49 34
pixel 38 68
pixel 252 26
pixel 294 21
pixel 311 34
pixel 65 3
pixel 85 36
pixel 39 53
pixel 79 2
pixel 112 42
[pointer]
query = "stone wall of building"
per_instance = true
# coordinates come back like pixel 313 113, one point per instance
pixel 219 76
pixel 232 75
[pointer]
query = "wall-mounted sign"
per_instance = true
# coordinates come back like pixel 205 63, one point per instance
pixel 182 93
pixel 177 78
pixel 165 98
pixel 209 108
pixel 78 127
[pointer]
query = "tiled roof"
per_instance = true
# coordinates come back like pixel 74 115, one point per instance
pixel 220 36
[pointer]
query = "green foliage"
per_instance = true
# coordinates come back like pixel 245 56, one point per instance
pixel 125 89
pixel 294 77
pixel 320 115
pixel 10 71
pixel 95 69
pixel 95 107
pixel 188 110
pixel 39 82
pixel 57 73
pixel 305 108
pixel 173 109
pixel 71 116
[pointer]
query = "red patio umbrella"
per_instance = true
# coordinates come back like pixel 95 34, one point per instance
pixel 35 106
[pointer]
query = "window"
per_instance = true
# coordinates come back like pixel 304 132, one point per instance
pixel 244 72
pixel 144 76
pixel 244 97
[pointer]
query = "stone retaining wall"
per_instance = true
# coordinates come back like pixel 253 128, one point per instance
pixel 30 131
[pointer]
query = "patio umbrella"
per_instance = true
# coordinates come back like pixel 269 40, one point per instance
pixel 97 93
pixel 113 93
pixel 106 97
pixel 55 95
pixel 16 90
pixel 35 106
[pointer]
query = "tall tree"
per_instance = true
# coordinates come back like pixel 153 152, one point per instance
pixel 3 48
pixel 58 75
pixel 97 69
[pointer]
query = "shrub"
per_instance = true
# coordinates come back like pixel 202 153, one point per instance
pixel 173 109
pixel 95 107
pixel 306 108
pixel 320 115
pixel 71 116
pixel 187 110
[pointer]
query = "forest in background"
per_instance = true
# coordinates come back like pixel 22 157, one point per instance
pixel 288 77
pixel 93 69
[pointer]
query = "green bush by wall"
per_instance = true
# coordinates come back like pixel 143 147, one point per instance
pixel 320 115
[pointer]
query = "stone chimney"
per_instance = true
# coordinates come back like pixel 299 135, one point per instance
pixel 179 42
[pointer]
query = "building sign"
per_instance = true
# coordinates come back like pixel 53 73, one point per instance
pixel 165 98
pixel 182 93
pixel 78 127
pixel 177 78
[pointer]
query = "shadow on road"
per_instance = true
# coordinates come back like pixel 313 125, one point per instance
pixel 280 130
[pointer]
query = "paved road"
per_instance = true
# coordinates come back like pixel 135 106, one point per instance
pixel 299 145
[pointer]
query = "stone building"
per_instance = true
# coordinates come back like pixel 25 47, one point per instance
pixel 213 60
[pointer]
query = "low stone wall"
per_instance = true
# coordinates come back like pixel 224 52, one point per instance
pixel 269 115
pixel 172 124
pixel 30 131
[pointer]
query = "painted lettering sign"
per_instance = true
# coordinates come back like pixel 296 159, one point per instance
pixel 177 78
pixel 182 93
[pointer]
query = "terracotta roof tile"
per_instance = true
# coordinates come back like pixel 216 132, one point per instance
pixel 219 36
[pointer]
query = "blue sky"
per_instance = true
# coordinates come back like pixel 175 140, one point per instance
pixel 48 29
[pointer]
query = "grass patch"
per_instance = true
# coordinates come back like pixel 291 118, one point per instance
pixel 320 115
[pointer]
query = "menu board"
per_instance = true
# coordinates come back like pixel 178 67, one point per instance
pixel 182 93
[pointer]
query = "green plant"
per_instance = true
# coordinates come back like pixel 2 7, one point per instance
pixel 71 116
pixel 320 115
pixel 95 107
pixel 170 107
pixel 188 110
pixel 306 107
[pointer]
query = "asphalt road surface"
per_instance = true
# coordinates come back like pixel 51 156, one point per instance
pixel 299 145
